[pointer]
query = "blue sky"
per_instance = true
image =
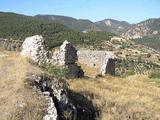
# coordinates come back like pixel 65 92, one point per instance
pixel 132 11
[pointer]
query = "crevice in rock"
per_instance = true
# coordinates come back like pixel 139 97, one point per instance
pixel 59 105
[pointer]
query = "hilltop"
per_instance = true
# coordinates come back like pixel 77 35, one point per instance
pixel 113 26
pixel 72 23
pixel 146 33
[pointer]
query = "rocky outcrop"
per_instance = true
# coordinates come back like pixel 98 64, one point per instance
pixel 137 31
pixel 34 48
pixel 60 106
pixel 113 26
pixel 149 27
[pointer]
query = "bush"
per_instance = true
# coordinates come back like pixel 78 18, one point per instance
pixel 57 72
pixel 155 74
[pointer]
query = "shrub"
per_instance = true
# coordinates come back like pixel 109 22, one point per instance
pixel 58 72
pixel 154 74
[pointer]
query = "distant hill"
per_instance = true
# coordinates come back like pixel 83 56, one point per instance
pixel 72 23
pixel 18 26
pixel 108 25
pixel 113 26
pixel 146 28
pixel 152 41
pixel 56 29
pixel 146 33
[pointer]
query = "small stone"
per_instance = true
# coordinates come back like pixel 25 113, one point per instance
pixel 46 93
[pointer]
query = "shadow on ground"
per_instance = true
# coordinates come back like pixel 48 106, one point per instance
pixel 85 108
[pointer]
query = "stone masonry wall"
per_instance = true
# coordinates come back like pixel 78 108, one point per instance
pixel 11 45
pixel 103 60
pixel 93 58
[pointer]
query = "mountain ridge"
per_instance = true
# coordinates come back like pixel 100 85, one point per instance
pixel 72 23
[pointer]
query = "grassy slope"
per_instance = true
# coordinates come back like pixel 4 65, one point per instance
pixel 17 101
pixel 134 97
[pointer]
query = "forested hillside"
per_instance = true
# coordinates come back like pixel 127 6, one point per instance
pixel 150 41
pixel 18 26
pixel 72 23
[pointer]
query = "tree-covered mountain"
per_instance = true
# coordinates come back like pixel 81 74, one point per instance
pixel 113 26
pixel 146 33
pixel 108 25
pixel 145 28
pixel 152 41
pixel 19 27
pixel 72 23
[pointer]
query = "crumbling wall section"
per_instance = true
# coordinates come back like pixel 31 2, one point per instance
pixel 103 60
pixel 34 48
pixel 10 45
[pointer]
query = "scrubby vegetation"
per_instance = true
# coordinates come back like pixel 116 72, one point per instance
pixel 57 72
pixel 150 41
pixel 154 74
pixel 19 27
pixel 125 67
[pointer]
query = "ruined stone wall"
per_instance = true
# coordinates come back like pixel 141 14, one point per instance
pixel 34 48
pixel 103 60
pixel 93 58
pixel 11 45
pixel 67 56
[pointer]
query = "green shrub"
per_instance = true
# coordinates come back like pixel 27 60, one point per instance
pixel 154 74
pixel 58 72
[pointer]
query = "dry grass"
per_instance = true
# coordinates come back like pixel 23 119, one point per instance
pixel 16 101
pixel 89 71
pixel 130 98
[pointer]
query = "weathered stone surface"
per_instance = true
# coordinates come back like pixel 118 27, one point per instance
pixel 103 60
pixel 51 111
pixel 34 48
pixel 108 67
pixel 67 54
pixel 11 45
pixel 58 101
